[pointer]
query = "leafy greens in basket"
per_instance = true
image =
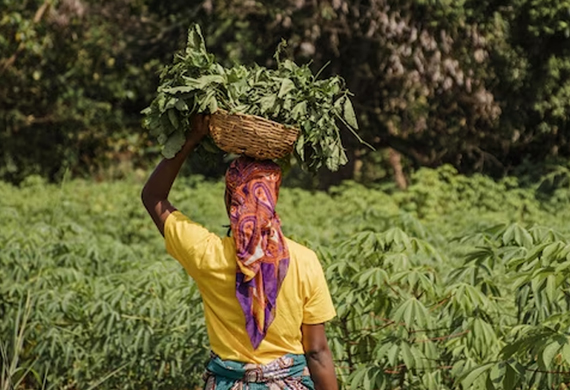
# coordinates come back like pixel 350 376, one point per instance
pixel 290 94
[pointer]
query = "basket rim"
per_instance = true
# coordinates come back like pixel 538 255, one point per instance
pixel 255 117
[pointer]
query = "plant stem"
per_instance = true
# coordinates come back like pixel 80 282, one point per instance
pixel 346 336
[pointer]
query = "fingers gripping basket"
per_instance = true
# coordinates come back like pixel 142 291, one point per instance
pixel 251 135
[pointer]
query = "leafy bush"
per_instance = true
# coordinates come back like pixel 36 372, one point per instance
pixel 483 85
pixel 496 320
pixel 452 284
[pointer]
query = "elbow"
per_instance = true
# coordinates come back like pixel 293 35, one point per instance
pixel 318 354
pixel 147 198
pixel 315 342
pixel 144 196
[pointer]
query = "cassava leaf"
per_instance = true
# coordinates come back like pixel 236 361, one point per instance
pixel 181 105
pixel 173 117
pixel 286 86
pixel 266 103
pixel 349 114
pixel 299 110
pixel 195 40
pixel 173 144
pixel 184 89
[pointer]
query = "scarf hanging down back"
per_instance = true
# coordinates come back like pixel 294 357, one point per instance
pixel 252 189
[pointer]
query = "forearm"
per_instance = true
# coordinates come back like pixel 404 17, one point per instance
pixel 321 366
pixel 155 192
pixel 160 181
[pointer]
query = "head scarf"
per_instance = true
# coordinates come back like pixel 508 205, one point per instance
pixel 252 189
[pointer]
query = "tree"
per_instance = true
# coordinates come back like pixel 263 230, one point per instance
pixel 483 85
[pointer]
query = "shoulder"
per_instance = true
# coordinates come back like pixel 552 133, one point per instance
pixel 194 246
pixel 185 237
pixel 177 216
pixel 299 249
pixel 301 253
pixel 178 221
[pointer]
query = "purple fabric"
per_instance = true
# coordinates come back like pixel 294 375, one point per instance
pixel 252 189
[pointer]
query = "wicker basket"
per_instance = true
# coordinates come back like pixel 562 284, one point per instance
pixel 251 135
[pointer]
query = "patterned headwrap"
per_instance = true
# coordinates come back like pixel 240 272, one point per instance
pixel 252 189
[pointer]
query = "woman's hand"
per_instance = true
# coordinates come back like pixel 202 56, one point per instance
pixel 199 127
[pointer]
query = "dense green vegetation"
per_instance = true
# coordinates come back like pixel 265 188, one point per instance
pixel 481 84
pixel 458 282
pixel 290 95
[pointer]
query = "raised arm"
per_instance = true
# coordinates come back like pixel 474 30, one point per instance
pixel 155 192
pixel 319 357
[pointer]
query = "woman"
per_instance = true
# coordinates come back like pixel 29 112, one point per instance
pixel 265 296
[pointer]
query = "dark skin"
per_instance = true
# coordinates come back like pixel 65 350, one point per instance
pixel 155 199
pixel 157 188
pixel 319 357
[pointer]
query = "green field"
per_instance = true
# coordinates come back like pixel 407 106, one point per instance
pixel 455 283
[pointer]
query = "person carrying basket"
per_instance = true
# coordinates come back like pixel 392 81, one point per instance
pixel 265 296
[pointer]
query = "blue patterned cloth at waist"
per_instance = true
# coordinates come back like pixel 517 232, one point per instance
pixel 289 372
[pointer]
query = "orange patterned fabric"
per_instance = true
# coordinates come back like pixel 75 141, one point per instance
pixel 252 189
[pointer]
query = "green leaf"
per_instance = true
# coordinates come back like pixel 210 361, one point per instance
pixel 407 356
pixel 300 146
pixel 432 380
pixel 173 144
pixel 349 114
pixel 566 352
pixel 474 375
pixel 267 103
pixel 213 105
pixel 299 111
pixel 185 89
pixel 393 355
pixel 510 379
pixel 338 104
pixel 173 117
pixel 206 102
pixel 195 40
pixel 358 378
pixel 549 353
pixel 162 138
pixel 181 105
pixel 411 312
pixel 286 86
pixel 551 251
pixel 551 288
pixel 170 103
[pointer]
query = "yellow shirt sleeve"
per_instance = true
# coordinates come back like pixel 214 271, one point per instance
pixel 318 306
pixel 187 242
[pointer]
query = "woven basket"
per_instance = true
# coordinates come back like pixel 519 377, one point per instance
pixel 251 135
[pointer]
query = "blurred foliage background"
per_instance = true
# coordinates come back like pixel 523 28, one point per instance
pixel 461 281
pixel 482 85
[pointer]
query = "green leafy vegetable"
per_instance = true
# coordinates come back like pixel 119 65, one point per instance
pixel 290 94
pixel 173 144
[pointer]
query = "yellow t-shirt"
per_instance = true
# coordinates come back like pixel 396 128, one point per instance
pixel 304 297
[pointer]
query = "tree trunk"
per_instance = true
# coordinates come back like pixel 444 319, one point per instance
pixel 396 163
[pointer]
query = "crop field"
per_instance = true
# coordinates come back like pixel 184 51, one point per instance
pixel 457 283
